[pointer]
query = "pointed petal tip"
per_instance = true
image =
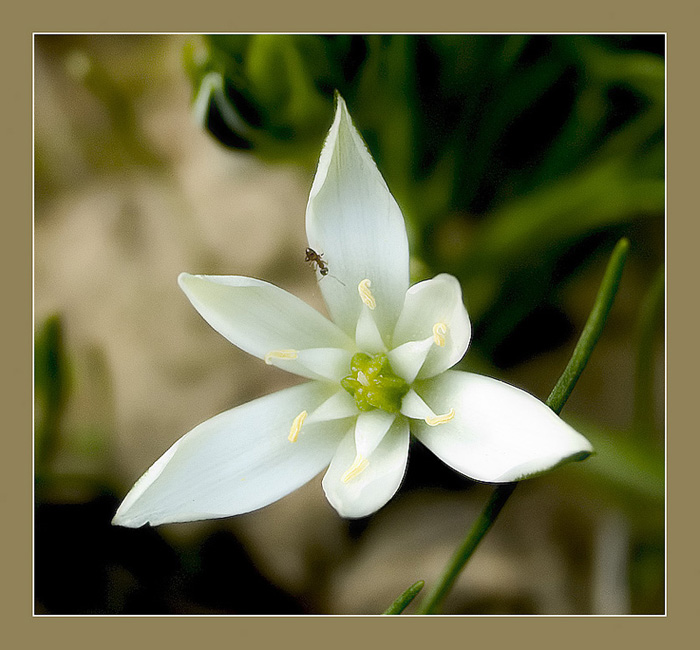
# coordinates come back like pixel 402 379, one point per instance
pixel 339 101
pixel 123 518
pixel 354 220
pixel 544 465
pixel 586 450
pixel 184 280
pixel 120 520
pixel 583 454
pixel 522 473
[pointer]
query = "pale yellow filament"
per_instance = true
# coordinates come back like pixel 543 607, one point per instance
pixel 280 354
pixel 439 331
pixel 358 466
pixel 440 419
pixel 366 294
pixel 296 426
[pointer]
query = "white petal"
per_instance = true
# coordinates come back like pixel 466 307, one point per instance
pixel 354 221
pixel 499 433
pixel 237 461
pixel 319 363
pixel 340 405
pixel 259 317
pixel 413 406
pixel 377 483
pixel 367 336
pixel 428 303
pixel 407 360
pixel 370 429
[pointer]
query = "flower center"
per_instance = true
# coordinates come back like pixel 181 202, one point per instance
pixel 374 384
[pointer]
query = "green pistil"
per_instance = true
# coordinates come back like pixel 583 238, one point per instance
pixel 373 383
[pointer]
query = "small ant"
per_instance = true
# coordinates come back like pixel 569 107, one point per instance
pixel 313 257
pixel 317 258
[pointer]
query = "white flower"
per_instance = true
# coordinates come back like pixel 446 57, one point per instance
pixel 379 371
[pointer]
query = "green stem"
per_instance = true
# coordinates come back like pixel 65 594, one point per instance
pixel 556 400
pixel 404 600
pixel 592 329
pixel 481 526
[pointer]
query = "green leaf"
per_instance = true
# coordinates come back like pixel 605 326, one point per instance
pixel 404 600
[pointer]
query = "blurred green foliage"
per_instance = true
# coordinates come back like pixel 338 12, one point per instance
pixel 515 158
pixel 72 453
pixel 51 390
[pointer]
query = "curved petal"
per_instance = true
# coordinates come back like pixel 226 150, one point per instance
pixel 371 488
pixel 235 462
pixel 407 360
pixel 370 429
pixel 317 363
pixel 259 317
pixel 413 406
pixel 337 406
pixel 367 336
pixel 427 304
pixel 499 433
pixel 354 221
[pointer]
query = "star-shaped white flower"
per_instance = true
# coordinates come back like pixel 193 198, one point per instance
pixel 379 371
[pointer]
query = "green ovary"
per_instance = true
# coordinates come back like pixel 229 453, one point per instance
pixel 373 383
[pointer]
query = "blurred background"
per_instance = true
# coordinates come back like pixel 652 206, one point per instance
pixel 518 161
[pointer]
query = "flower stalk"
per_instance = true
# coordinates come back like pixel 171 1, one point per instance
pixel 461 556
pixel 592 329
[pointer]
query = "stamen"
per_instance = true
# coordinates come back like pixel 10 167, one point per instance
pixel 362 378
pixel 280 354
pixel 358 466
pixel 440 419
pixel 439 331
pixel 366 294
pixel 296 426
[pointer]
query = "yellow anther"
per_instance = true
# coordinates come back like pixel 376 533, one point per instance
pixel 440 419
pixel 296 426
pixel 439 331
pixel 366 294
pixel 358 466
pixel 280 354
